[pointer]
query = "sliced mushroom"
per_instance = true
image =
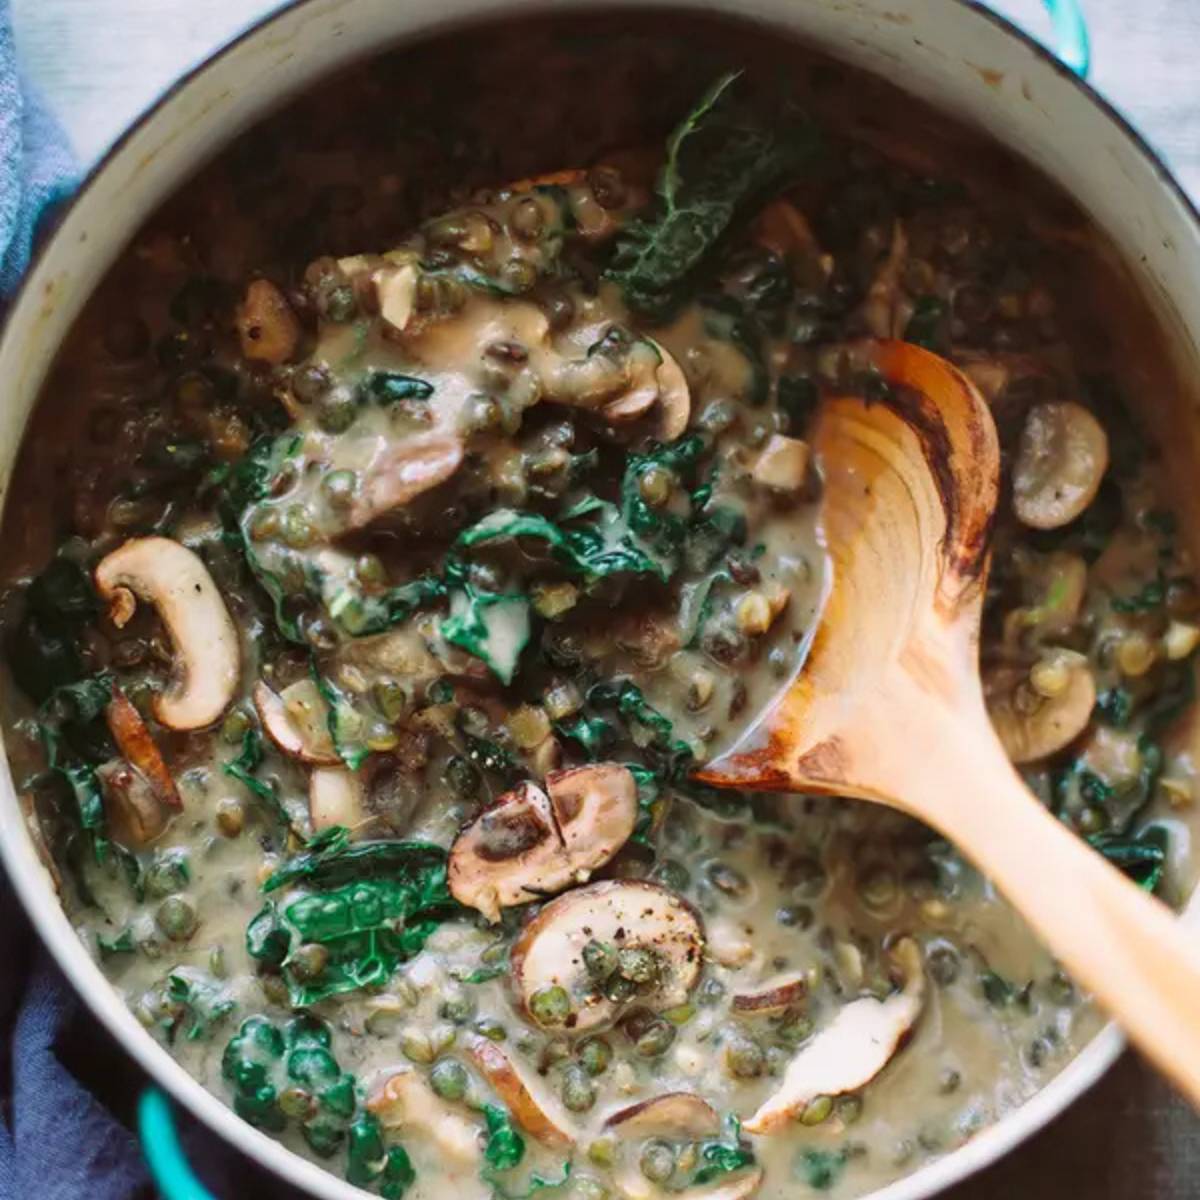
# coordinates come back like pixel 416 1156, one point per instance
pixel 138 748
pixel 134 811
pixel 267 327
pixel 1061 460
pixel 404 1101
pixel 782 464
pixel 161 572
pixel 849 1052
pixel 396 288
pixel 411 466
pixel 1031 726
pixel 296 720
pixel 528 1099
pixel 886 310
pixel 674 397
pixel 621 913
pixel 532 843
pixel 772 998
pixel 336 796
pixel 680 1115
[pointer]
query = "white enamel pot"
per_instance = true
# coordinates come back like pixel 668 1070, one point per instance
pixel 952 53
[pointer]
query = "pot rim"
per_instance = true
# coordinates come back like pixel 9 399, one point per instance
pixel 57 935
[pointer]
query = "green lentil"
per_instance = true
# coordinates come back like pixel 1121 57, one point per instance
pixel 550 1005
pixel 599 959
pixel 309 961
pixel 638 965
pixel 594 1055
pixel 577 1090
pixel 339 488
pixel 817 1110
pixel 657 1161
pixel 448 1078
pixel 176 917
pixel 416 1047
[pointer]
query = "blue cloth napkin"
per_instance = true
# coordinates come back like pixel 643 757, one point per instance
pixel 67 1091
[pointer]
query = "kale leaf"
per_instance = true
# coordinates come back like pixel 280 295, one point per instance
pixel 1143 858
pixel 43 651
pixel 721 158
pixel 197 1001
pixel 244 769
pixel 725 1155
pixel 368 925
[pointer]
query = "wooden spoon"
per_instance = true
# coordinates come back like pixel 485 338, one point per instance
pixel 889 705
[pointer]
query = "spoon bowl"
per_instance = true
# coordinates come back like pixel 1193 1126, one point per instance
pixel 889 706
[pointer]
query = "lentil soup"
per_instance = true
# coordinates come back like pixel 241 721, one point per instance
pixel 426 492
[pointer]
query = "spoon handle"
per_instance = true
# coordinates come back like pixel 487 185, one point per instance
pixel 1115 940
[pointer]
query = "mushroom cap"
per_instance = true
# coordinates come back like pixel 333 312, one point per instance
pixel 851 1050
pixel 296 720
pixel 532 843
pixel 1053 723
pixel 412 466
pixel 773 997
pixel 1061 460
pixel 161 572
pixel 623 913
pixel 680 1115
pixel 528 1099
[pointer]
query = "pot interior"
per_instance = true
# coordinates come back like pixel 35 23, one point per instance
pixel 956 59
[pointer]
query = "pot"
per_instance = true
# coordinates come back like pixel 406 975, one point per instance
pixel 954 53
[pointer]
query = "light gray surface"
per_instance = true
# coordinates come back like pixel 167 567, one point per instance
pixel 100 62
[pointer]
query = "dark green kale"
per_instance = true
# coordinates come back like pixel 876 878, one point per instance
pixel 196 1002
pixel 43 651
pixel 371 1163
pixel 244 769
pixel 821 1169
pixel 1143 858
pixel 722 1156
pixel 505 1147
pixel 386 387
pixel 723 157
pixel 366 925
pixel 269 1070
pixel 926 326
pixel 344 723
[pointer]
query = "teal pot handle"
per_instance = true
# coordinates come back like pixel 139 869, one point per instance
pixel 1070 35
pixel 168 1165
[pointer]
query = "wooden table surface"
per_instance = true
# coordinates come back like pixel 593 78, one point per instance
pixel 100 62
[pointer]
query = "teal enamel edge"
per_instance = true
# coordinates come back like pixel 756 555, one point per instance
pixel 1070 35
pixel 168 1165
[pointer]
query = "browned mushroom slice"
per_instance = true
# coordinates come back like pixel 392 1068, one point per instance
pixel 849 1052
pixel 207 655
pixel 532 1105
pixel 623 914
pixel 595 808
pixel 267 327
pixel 296 720
pixel 681 1115
pixel 772 998
pixel 138 748
pixel 404 1101
pixel 134 811
pixel 529 844
pixel 1060 463
pixel 1032 726
pixel 410 467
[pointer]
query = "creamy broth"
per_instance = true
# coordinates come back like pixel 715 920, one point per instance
pixel 400 526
